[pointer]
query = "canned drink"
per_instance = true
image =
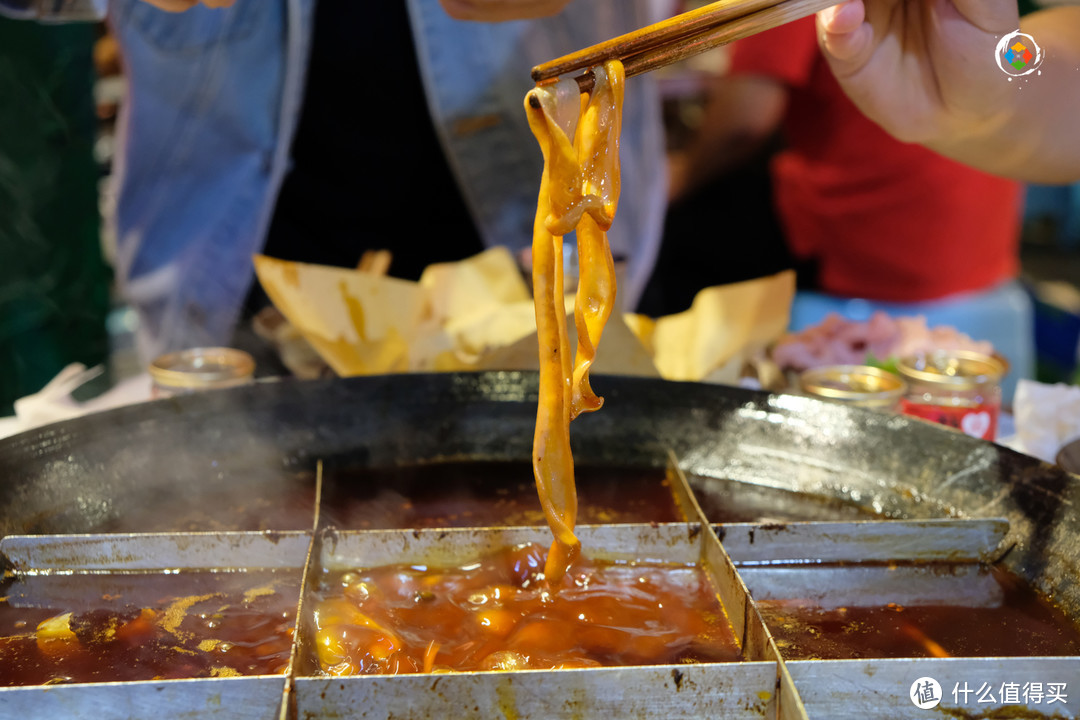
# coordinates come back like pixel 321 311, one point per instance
pixel 957 388
pixel 198 369
pixel 860 385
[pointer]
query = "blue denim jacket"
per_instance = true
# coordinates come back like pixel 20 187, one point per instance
pixel 214 100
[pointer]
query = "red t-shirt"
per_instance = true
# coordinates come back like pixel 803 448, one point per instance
pixel 885 220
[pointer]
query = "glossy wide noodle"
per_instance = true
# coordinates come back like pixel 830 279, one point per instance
pixel 579 137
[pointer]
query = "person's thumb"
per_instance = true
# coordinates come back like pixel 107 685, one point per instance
pixel 847 39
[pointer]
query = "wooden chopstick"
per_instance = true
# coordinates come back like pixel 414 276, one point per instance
pixel 674 28
pixel 680 37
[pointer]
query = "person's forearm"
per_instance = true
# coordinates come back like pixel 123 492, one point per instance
pixel 713 156
pixel 53 10
pixel 1036 134
pixel 740 115
pixel 502 10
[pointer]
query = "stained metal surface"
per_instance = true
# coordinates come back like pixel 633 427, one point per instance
pixel 255 698
pixel 36 561
pixel 832 587
pixel 899 540
pixel 726 690
pixel 245 459
pixel 157 551
pixel 860 689
pixel 834 565
pixel 790 705
pixel 88 474
pixel 741 691
pixel 685 501
pixel 82 475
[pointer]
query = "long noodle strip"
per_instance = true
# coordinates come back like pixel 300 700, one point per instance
pixel 579 189
pixel 552 463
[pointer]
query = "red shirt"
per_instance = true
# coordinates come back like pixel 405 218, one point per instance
pixel 885 220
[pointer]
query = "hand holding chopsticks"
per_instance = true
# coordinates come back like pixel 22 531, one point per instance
pixel 681 37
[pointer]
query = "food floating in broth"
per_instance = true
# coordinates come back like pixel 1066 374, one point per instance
pixel 115 627
pixel 501 613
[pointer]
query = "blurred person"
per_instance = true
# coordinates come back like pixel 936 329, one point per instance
pixel 54 283
pixel 873 223
pixel 316 129
pixel 719 229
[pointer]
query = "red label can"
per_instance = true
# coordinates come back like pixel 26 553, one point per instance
pixel 980 421
pixel 956 388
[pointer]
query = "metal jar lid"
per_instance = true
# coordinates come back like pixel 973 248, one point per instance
pixel 954 369
pixel 202 368
pixel 861 385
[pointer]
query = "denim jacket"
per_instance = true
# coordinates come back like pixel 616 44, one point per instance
pixel 214 101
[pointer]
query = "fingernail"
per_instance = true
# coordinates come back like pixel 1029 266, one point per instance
pixel 828 15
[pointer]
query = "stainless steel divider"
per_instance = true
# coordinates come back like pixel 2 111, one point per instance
pixel 51 571
pixel 720 690
pixel 787 703
pixel 1045 687
pixel 746 562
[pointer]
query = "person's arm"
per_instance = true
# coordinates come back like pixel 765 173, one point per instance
pixel 927 72
pixel 53 10
pixel 502 10
pixel 741 113
pixel 746 106
pixel 182 5
pixel 483 10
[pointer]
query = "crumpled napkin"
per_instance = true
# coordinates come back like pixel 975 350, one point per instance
pixel 477 314
pixel 1047 417
pixel 54 402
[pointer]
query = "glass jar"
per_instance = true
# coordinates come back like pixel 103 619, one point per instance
pixel 956 388
pixel 199 369
pixel 858 385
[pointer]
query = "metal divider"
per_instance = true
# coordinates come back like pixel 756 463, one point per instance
pixel 684 496
pixel 788 705
pixel 876 563
pixel 53 571
pixel 926 541
pixel 719 690
pixel 746 562
pixel 839 564
pixel 1029 688
pixel 747 689
pixel 287 709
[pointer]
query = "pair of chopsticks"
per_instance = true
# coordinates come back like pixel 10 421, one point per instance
pixel 680 37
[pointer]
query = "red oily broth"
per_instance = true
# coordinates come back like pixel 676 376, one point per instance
pixel 1023 625
pixel 486 494
pixel 500 614
pixel 146 627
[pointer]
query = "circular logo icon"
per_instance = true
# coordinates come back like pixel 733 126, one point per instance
pixel 925 693
pixel 1018 54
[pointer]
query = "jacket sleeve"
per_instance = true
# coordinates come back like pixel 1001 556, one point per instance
pixel 54 10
